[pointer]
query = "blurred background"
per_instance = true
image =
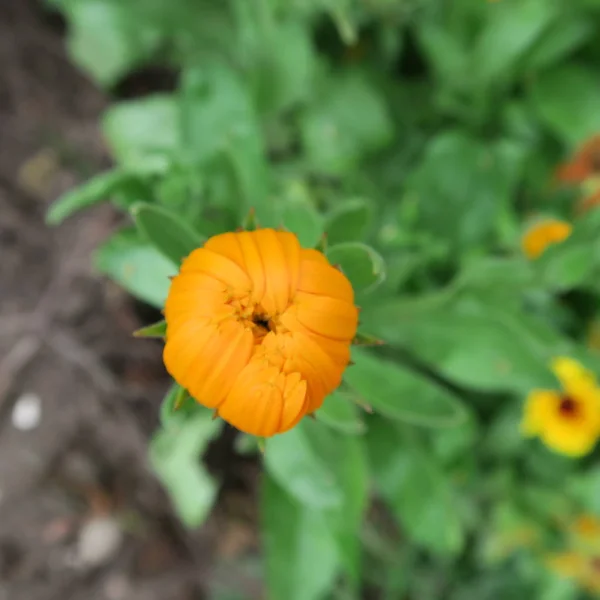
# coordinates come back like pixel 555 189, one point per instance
pixel 472 105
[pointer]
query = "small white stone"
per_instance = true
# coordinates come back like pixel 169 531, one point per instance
pixel 27 412
pixel 99 539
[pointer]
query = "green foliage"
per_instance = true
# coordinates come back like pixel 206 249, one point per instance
pixel 165 231
pixel 412 141
pixel 175 454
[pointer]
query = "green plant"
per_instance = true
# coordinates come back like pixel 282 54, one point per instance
pixel 420 136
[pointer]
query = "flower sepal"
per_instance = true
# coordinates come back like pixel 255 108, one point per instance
pixel 365 339
pixel 156 330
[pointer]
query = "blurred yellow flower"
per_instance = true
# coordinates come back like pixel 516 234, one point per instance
pixel 582 568
pixel 567 421
pixel 581 562
pixel 542 234
pixel 586 528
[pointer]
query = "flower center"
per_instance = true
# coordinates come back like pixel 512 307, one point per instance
pixel 595 563
pixel 262 322
pixel 568 407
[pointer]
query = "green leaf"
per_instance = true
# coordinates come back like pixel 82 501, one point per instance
pixel 95 190
pixel 399 393
pixel 301 553
pixel 304 220
pixel 346 456
pixel 511 30
pixel 573 262
pixel 287 67
pixel 156 330
pixel 344 459
pixel 174 456
pixel 349 221
pixel 567 100
pixel 447 54
pixel 176 404
pixel 497 281
pixel 563 37
pixel 364 339
pixel 143 134
pixel 137 266
pixel 340 413
pixel 334 138
pixel 416 488
pixel 106 39
pixel 363 266
pixel 471 343
pixel 462 184
pixel 218 119
pixel 168 233
pixel 293 461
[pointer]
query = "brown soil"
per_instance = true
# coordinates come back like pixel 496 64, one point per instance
pixel 65 336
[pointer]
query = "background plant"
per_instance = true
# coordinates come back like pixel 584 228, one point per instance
pixel 421 136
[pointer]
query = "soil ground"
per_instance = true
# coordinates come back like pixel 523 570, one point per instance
pixel 81 514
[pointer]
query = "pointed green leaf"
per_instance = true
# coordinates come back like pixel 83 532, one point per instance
pixel 399 393
pixel 566 99
pixel 166 231
pixel 301 554
pixel 156 330
pixel 340 413
pixel 293 461
pixel 97 189
pixel 137 266
pixel 175 457
pixel 177 403
pixel 364 339
pixel 472 343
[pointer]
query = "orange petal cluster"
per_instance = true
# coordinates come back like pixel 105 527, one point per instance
pixel 584 164
pixel 259 329
pixel 543 234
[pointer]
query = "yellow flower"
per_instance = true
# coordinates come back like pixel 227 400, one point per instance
pixel 567 421
pixel 567 564
pixel 542 234
pixel 259 329
pixel 582 568
pixel 586 528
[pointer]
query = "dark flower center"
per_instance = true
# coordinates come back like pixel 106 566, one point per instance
pixel 568 406
pixel 262 323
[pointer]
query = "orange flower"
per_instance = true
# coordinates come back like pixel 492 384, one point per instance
pixel 583 165
pixel 542 234
pixel 586 528
pixel 259 329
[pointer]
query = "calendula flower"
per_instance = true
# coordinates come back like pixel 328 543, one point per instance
pixel 581 562
pixel 567 421
pixel 542 234
pixel 582 568
pixel 586 529
pixel 259 329
pixel 584 164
